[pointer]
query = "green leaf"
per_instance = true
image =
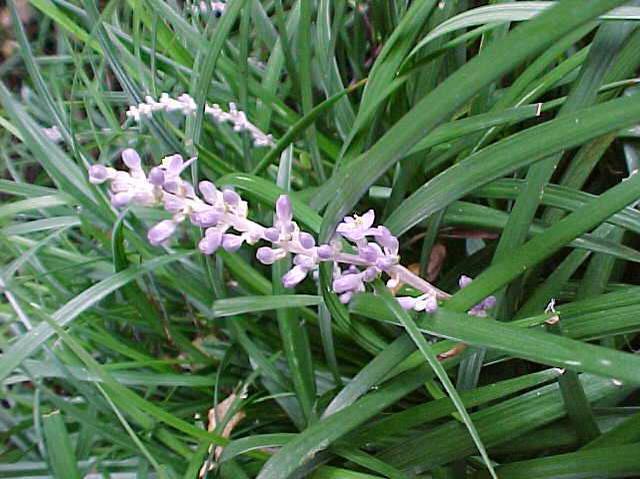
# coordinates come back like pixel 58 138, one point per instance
pixel 507 12
pixel 252 304
pixel 510 154
pixel 31 341
pixel 435 108
pixel 59 448
pixel 416 335
pixel 619 461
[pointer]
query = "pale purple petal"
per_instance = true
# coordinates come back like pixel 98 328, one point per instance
pixel 211 241
pixel 156 176
pixel 307 241
pixel 345 298
pixel 406 302
pixel 347 282
pixel 294 276
pixel 173 164
pixel 384 263
pixel 386 239
pixel 489 302
pixel 172 203
pixel 266 255
pixel 368 253
pixel 209 191
pixel 131 158
pixel 231 197
pixel 206 218
pixel 304 261
pixel 121 199
pixel 232 243
pixel 272 234
pixel 161 232
pixel 325 252
pixel 429 304
pixel 98 174
pixel 367 219
pixel 464 281
pixel 370 274
pixel 284 210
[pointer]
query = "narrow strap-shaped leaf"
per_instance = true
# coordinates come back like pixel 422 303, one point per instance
pixel 427 352
pixel 31 341
pixel 496 60
pixel 61 455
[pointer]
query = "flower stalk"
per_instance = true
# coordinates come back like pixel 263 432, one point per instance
pixel 223 215
pixel 186 106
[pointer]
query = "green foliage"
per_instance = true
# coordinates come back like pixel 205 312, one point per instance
pixel 503 133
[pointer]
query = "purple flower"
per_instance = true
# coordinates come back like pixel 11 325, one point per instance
pixel 231 197
pixel 464 281
pixel 284 210
pixel 173 165
pixel 98 174
pixel 268 255
pixel 156 176
pixel 386 239
pixel 345 298
pixel 122 199
pixel 131 158
pixel 426 302
pixel 348 282
pixel 209 191
pixel 370 252
pixel 231 242
pixel 325 252
pixel 173 203
pixel 406 302
pixel 306 240
pixel 304 261
pixel 481 308
pixel 294 276
pixel 385 262
pixel 206 218
pixel 211 241
pixel 272 234
pixel 161 232
pixel 357 227
pixel 370 274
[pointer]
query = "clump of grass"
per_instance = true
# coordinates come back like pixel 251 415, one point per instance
pixel 494 141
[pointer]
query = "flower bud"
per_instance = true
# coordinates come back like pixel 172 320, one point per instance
pixel 122 199
pixel 294 276
pixel 98 174
pixel 325 252
pixel 272 234
pixel 232 243
pixel 347 282
pixel 161 232
pixel 345 298
pixel 370 274
pixel 131 158
pixel 464 281
pixel 206 218
pixel 284 210
pixel 210 242
pixel 266 255
pixel 231 197
pixel 306 240
pixel 156 176
pixel 209 191
pixel 406 302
